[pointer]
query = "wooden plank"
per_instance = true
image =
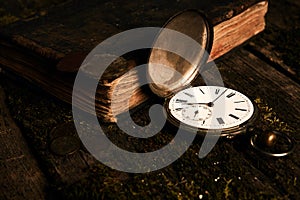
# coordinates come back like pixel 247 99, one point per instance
pixel 223 174
pixel 98 21
pixel 64 169
pixel 257 78
pixel 225 169
pixel 257 170
pixel 245 72
pixel 279 44
pixel 21 177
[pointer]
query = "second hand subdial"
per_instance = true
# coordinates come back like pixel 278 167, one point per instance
pixel 196 112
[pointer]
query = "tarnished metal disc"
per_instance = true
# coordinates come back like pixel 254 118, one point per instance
pixel 63 139
pixel 65 145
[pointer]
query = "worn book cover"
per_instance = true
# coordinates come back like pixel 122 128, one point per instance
pixel 48 49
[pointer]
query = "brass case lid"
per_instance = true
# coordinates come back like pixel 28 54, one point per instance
pixel 188 35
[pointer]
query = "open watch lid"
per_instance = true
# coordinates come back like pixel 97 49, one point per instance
pixel 180 49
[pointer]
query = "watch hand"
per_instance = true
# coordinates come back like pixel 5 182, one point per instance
pixel 219 96
pixel 195 103
pixel 210 104
pixel 196 112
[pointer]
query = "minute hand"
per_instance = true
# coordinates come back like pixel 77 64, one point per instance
pixel 219 96
pixel 195 103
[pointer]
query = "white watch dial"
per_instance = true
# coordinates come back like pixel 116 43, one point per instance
pixel 211 107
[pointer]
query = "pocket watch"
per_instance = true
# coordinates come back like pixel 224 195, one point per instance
pixel 206 109
pixel 199 108
pixel 211 108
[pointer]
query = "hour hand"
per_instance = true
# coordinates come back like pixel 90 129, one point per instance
pixel 210 104
pixel 196 113
pixel 195 103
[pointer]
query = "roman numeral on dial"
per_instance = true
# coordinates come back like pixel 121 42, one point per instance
pixel 241 109
pixel 180 101
pixel 233 116
pixel 220 120
pixel 239 101
pixel 230 95
pixel 201 91
pixel 178 109
pixel 188 94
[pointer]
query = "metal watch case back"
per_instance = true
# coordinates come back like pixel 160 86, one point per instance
pixel 169 72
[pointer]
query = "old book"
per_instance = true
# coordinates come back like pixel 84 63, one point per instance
pixel 49 49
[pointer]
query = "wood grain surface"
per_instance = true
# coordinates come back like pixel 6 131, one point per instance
pixel 21 176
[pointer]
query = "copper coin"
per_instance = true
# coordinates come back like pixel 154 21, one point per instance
pixel 64 140
pixel 65 145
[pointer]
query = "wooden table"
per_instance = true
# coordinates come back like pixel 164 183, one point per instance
pixel 266 69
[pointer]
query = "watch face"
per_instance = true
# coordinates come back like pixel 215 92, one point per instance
pixel 211 107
